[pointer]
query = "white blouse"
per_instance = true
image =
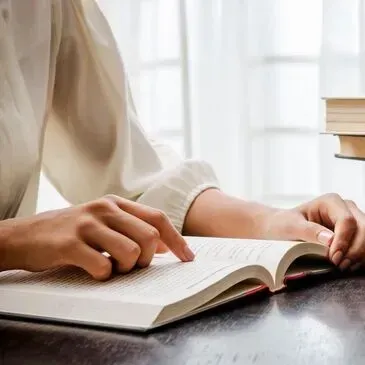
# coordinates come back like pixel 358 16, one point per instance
pixel 65 107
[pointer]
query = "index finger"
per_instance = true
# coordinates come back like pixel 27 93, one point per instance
pixel 168 233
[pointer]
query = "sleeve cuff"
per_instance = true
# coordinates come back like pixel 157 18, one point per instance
pixel 176 189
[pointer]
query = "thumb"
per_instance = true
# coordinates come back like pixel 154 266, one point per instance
pixel 314 232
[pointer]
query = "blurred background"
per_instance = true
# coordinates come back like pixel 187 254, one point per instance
pixel 239 84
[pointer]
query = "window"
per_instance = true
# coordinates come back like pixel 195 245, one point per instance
pixel 151 44
pixel 284 100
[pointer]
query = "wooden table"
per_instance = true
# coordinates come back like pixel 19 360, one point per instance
pixel 323 324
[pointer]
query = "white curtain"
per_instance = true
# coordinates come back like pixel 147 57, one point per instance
pixel 239 83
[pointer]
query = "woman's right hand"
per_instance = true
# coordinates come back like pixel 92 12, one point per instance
pixel 129 232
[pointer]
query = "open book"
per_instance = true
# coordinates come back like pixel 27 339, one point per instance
pixel 168 290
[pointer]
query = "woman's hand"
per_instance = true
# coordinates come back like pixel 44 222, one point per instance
pixel 327 219
pixel 78 236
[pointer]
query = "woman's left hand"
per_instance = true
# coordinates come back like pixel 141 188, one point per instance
pixel 327 219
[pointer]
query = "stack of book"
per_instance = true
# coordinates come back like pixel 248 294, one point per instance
pixel 345 118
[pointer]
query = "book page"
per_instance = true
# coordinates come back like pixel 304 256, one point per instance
pixel 261 252
pixel 165 281
pixel 134 300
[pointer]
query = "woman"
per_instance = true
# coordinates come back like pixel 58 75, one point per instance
pixel 65 106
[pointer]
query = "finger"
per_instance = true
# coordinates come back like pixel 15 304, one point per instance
pixel 356 252
pixel 121 248
pixel 335 211
pixel 93 262
pixel 312 232
pixel 161 248
pixel 168 233
pixel 138 232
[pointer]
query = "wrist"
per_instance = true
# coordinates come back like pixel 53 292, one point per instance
pixel 214 213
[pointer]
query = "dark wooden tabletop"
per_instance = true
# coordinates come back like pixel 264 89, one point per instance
pixel 322 324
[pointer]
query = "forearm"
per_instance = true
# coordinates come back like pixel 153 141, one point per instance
pixel 9 250
pixel 216 214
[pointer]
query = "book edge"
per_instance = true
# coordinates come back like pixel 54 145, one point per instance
pixel 345 157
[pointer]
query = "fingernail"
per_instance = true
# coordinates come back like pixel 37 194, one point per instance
pixel 337 257
pixel 355 266
pixel 345 264
pixel 325 237
pixel 188 253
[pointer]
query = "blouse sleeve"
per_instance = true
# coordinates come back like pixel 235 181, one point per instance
pixel 94 144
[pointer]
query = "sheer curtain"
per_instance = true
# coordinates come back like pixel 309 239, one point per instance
pixel 239 83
